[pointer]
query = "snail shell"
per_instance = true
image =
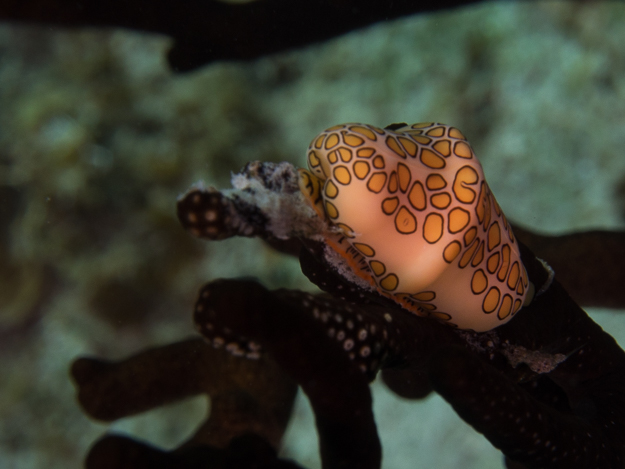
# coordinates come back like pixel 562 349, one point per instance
pixel 418 221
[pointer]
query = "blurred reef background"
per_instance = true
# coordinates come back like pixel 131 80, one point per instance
pixel 98 138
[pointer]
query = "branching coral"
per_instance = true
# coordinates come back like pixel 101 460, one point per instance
pixel 247 398
pixel 206 31
pixel 546 387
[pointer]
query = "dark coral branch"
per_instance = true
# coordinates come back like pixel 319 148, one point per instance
pixel 512 419
pixel 546 388
pixel 589 264
pixel 229 312
pixel 569 416
pixel 528 422
pixel 194 210
pixel 244 452
pixel 208 30
pixel 246 396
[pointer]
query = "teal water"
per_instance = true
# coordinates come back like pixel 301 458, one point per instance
pixel 98 138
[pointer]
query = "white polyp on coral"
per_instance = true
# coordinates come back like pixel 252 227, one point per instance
pixel 539 362
pixel 288 212
pixel 273 189
pixel 551 275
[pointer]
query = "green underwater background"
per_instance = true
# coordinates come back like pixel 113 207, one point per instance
pixel 98 138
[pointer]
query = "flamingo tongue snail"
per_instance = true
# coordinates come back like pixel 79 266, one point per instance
pixel 415 218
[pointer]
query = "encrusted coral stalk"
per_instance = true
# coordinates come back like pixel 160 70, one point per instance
pixel 547 388
pixel 265 201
